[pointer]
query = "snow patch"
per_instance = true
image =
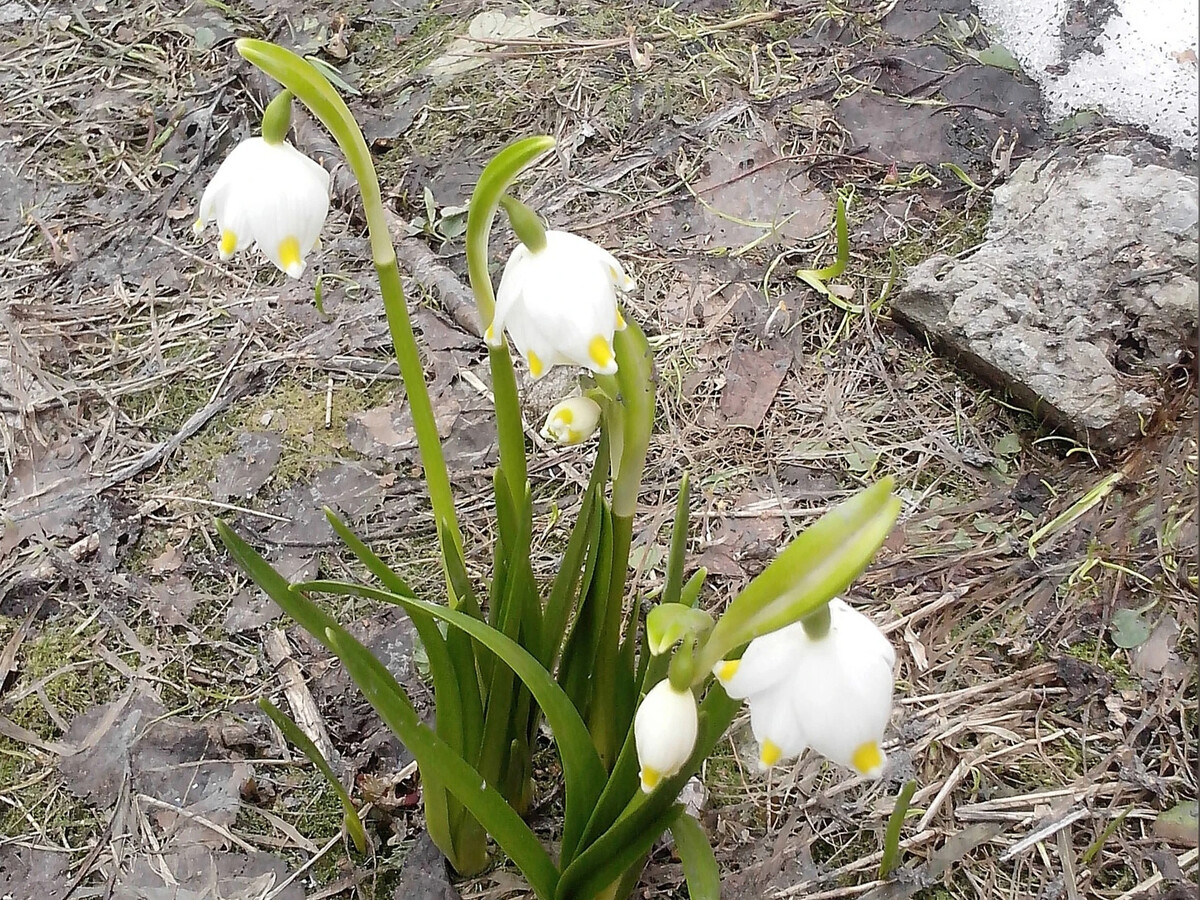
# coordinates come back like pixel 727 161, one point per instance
pixel 1145 74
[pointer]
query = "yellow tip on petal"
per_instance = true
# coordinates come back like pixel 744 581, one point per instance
pixel 601 354
pixel 198 226
pixel 535 365
pixel 489 336
pixel 228 244
pixel 573 437
pixel 650 779
pixel 726 669
pixel 621 326
pixel 769 753
pixel 289 257
pixel 565 415
pixel 868 760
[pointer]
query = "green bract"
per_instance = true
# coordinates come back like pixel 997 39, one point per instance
pixel 574 653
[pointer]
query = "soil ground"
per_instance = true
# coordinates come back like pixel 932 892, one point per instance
pixel 1046 684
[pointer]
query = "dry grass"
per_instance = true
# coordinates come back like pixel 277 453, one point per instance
pixel 129 346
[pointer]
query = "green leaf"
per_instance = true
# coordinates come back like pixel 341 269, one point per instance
pixel 579 655
pixel 891 838
pixel 1008 445
pixel 1064 520
pixel 679 536
pixel 1180 823
pixel 334 76
pixel 376 566
pixel 646 817
pixel 584 534
pixel 635 384
pixel 443 669
pixel 997 55
pixel 293 733
pixel 319 624
pixel 691 589
pixel 815 567
pixel 817 278
pixel 582 771
pixel 456 571
pixel 433 754
pixel 699 864
pixel 668 623
pixel 605 720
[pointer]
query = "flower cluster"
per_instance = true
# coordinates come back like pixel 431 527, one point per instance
pixel 831 693
pixel 503 662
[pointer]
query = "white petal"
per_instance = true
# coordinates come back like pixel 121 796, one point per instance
pixel 779 732
pixel 512 283
pixel 664 732
pixel 559 304
pixel 833 694
pixel 273 196
pixel 767 662
pixel 849 702
pixel 582 248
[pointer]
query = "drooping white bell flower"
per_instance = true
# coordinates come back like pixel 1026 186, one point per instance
pixel 268 195
pixel 664 732
pixel 833 694
pixel 572 421
pixel 559 304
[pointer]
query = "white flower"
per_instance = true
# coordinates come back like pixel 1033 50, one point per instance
pixel 559 305
pixel 572 421
pixel 269 195
pixel 833 694
pixel 664 731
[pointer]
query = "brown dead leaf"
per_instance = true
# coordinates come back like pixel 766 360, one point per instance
pixel 742 545
pixel 240 473
pixel 1156 657
pixel 174 599
pixel 751 381
pixel 167 561
pixel 750 191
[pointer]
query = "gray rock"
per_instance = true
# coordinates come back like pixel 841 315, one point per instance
pixel 1084 287
pixel 424 876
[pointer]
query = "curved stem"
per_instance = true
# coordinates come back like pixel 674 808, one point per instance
pixel 315 92
pixel 485 201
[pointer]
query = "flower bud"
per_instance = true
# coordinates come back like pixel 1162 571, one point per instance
pixel 572 420
pixel 664 731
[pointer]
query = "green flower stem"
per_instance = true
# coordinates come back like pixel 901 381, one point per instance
pixel 315 92
pixel 603 718
pixel 525 223
pixel 481 213
pixel 500 173
pixel 816 623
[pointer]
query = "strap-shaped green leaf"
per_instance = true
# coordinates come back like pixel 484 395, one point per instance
pixel 582 771
pixel 579 655
pixel 454 773
pixel 673 585
pixel 646 816
pixel 293 733
pixel 604 720
pixel 446 694
pixel 584 534
pixel 699 863
pixel 318 623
